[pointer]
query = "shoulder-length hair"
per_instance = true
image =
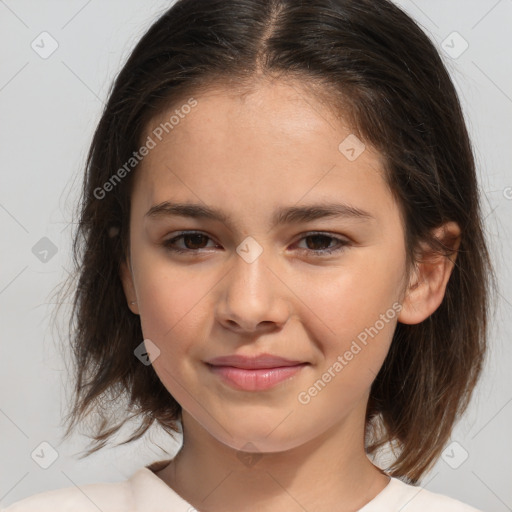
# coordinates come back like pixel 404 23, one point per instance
pixel 369 62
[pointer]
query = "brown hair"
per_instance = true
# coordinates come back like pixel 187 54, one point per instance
pixel 368 61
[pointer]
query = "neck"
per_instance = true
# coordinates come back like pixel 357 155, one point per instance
pixel 330 472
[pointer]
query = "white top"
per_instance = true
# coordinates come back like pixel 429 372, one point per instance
pixel 146 492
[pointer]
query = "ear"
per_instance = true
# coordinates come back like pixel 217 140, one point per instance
pixel 427 285
pixel 128 286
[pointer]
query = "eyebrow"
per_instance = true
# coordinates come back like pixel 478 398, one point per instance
pixel 283 215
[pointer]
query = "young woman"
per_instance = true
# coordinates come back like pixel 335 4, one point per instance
pixel 280 255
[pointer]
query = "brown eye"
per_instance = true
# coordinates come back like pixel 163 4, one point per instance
pixel 319 244
pixel 192 242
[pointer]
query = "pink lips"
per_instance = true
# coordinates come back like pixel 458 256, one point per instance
pixel 254 373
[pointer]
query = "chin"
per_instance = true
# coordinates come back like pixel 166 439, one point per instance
pixel 255 440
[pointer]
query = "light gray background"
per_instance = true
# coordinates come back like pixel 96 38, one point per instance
pixel 49 109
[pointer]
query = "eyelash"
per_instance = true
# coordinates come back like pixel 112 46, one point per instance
pixel 341 243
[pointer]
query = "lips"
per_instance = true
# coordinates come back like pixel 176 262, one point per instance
pixel 251 363
pixel 254 373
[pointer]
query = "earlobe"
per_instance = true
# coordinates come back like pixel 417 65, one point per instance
pixel 128 286
pixel 428 282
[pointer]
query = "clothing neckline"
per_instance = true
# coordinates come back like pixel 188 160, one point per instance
pixel 148 473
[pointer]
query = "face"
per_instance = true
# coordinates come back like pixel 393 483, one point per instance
pixel 321 291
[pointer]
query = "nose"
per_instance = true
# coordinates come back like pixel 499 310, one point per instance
pixel 253 298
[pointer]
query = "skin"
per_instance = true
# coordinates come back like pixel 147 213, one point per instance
pixel 249 155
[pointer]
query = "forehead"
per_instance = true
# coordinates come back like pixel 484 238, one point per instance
pixel 279 113
pixel 276 144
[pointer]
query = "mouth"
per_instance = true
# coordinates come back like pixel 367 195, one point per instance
pixel 254 373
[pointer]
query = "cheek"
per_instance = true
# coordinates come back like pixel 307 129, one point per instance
pixel 356 319
pixel 352 298
pixel 173 318
pixel 170 300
